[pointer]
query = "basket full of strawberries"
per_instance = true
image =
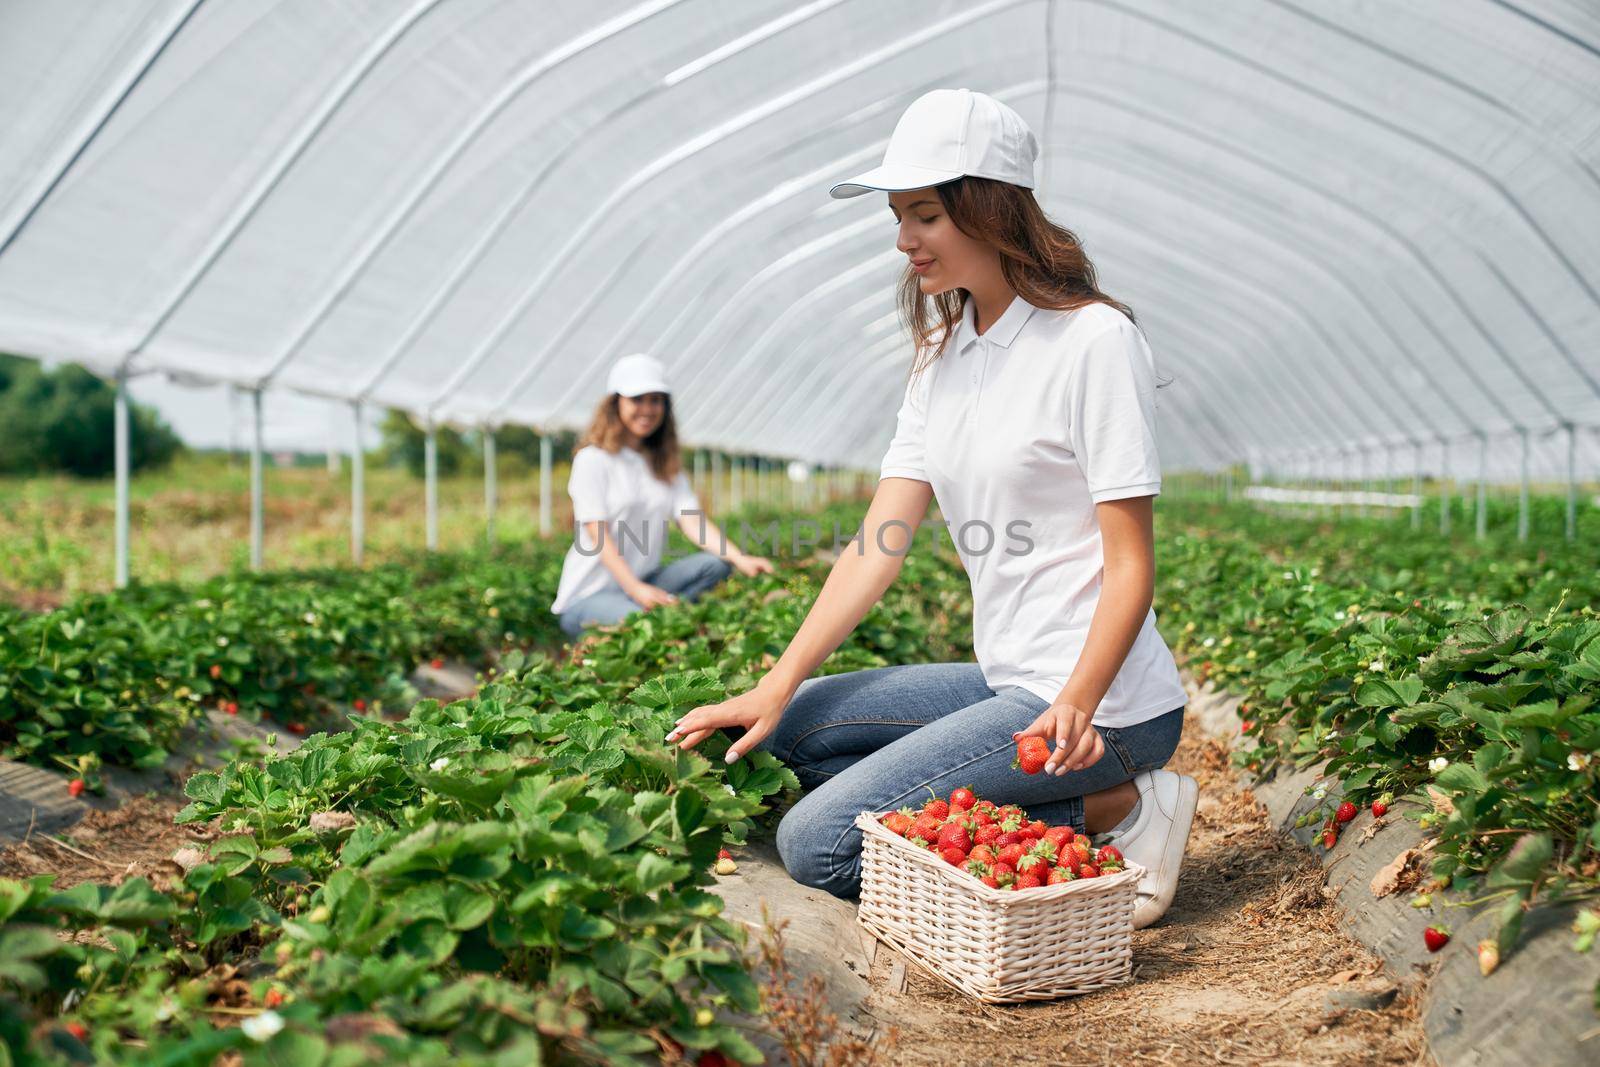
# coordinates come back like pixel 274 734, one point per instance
pixel 1003 907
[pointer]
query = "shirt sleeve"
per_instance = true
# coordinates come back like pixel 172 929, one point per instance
pixel 905 457
pixel 1111 416
pixel 586 485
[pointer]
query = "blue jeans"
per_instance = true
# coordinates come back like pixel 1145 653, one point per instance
pixel 878 739
pixel 686 578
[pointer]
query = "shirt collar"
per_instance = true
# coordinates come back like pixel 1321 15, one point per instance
pixel 1002 331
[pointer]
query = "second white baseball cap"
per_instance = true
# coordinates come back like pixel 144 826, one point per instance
pixel 947 134
pixel 636 375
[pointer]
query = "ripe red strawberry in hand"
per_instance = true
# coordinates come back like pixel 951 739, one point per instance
pixel 962 799
pixel 75 787
pixel 1436 937
pixel 1346 812
pixel 954 835
pixel 1032 754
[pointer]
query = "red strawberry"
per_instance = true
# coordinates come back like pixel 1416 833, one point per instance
pixel 216 670
pixel 361 705
pixel 712 1058
pixel 78 1030
pixel 899 822
pixel 937 808
pixel 976 867
pixel 1346 812
pixel 436 663
pixel 1379 808
pixel 1068 857
pixel 1032 753
pixel 962 799
pixel 953 856
pixel 1003 870
pixel 1010 837
pixel 1012 854
pixel 1088 870
pixel 273 998
pixel 1042 853
pixel 1037 828
pixel 1247 725
pixel 232 707
pixel 990 881
pixel 1010 811
pixel 989 834
pixel 926 828
pixel 1057 834
pixel 954 835
pixel 724 854
pixel 75 787
pixel 983 854
pixel 987 807
pixel 1329 838
pixel 1436 937
pixel 1030 878
pixel 295 727
pixel 981 817
pixel 1081 848
pixel 1059 875
pixel 1108 853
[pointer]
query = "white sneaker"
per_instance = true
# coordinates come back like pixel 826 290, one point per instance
pixel 1157 839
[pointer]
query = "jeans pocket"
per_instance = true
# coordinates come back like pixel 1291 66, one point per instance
pixel 1115 742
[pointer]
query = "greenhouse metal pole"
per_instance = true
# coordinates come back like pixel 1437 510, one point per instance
pixel 1522 493
pixel 489 486
pixel 1446 491
pixel 546 458
pixel 1482 518
pixel 430 486
pixel 1416 485
pixel 256 522
pixel 716 482
pixel 1572 482
pixel 358 489
pixel 119 437
pixel 700 472
pixel 1366 482
pixel 735 483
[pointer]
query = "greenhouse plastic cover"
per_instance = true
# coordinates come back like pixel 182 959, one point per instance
pixel 1342 226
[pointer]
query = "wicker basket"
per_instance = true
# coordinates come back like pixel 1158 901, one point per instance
pixel 998 945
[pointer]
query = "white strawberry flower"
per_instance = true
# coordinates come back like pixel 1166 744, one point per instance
pixel 222 642
pixel 1208 642
pixel 1375 665
pixel 439 764
pixel 1437 764
pixel 262 1027
pixel 1577 762
pixel 732 792
pixel 310 617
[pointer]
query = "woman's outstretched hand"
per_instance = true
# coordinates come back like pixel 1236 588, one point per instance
pixel 1077 742
pixel 758 711
pixel 649 596
pixel 750 566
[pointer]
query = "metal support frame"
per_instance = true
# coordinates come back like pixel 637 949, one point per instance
pixel 1481 519
pixel 257 523
pixel 736 483
pixel 1416 485
pixel 119 435
pixel 1522 492
pixel 490 489
pixel 1446 489
pixel 358 487
pixel 700 487
pixel 430 485
pixel 1572 482
pixel 716 504
pixel 546 490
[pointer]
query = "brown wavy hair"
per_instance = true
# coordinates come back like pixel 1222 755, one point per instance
pixel 1043 262
pixel 660 448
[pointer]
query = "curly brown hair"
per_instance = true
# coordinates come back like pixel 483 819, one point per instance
pixel 660 448
pixel 1043 262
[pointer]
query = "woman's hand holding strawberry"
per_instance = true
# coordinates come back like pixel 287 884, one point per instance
pixel 1077 742
pixel 750 566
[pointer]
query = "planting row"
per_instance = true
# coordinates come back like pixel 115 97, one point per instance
pixel 1467 681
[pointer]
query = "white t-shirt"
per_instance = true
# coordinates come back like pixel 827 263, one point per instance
pixel 619 489
pixel 1020 432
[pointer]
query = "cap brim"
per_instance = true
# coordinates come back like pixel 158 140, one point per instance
pixel 647 387
pixel 892 178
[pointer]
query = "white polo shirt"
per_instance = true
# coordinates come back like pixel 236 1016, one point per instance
pixel 1020 432
pixel 619 489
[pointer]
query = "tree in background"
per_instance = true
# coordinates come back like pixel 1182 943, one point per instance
pixel 516 447
pixel 62 420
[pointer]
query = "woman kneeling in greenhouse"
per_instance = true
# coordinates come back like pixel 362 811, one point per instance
pixel 1029 414
pixel 628 487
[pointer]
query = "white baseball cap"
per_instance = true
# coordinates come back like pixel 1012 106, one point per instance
pixel 636 375
pixel 947 134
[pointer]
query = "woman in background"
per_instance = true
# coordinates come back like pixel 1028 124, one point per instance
pixel 627 486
